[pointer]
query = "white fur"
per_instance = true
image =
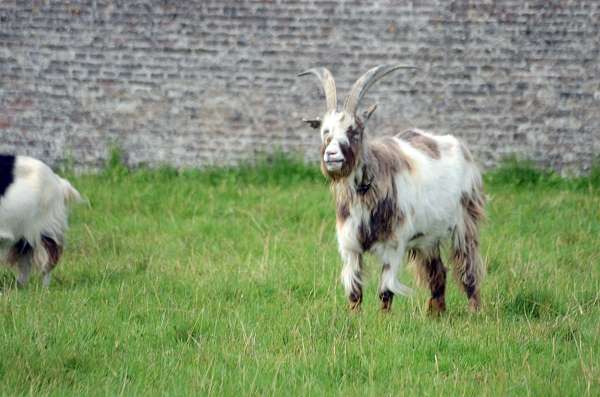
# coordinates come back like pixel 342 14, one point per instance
pixel 35 204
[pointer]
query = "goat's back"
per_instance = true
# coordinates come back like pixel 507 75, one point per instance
pixel 34 203
pixel 441 172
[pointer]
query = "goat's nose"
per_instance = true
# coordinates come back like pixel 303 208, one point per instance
pixel 331 153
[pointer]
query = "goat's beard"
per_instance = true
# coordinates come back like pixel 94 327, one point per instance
pixel 342 173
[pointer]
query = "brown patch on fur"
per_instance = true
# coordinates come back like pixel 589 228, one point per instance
pixel 374 187
pixel 22 249
pixel 384 218
pixel 350 153
pixel 54 251
pixel 383 162
pixel 342 212
pixel 389 154
pixel 469 269
pixel 474 203
pixel 18 250
pixel 437 286
pixel 421 142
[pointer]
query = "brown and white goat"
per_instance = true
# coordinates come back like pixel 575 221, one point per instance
pixel 33 215
pixel 406 193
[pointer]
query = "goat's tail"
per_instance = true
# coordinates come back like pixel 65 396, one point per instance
pixel 468 264
pixel 401 289
pixel 70 194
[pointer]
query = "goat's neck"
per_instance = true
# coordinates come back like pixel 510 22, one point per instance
pixel 360 184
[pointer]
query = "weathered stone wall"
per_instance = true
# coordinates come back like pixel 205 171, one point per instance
pixel 192 83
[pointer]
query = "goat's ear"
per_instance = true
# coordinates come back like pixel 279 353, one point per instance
pixel 314 123
pixel 369 112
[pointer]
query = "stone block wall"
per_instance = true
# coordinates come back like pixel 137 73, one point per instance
pixel 196 83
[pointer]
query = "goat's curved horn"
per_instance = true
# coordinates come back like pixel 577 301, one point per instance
pixel 362 85
pixel 326 79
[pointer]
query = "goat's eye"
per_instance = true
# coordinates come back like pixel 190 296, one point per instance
pixel 352 134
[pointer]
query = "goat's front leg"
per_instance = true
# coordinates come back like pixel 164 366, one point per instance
pixel 389 284
pixel 352 278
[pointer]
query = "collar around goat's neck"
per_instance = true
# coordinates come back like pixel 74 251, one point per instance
pixel 363 182
pixel 363 188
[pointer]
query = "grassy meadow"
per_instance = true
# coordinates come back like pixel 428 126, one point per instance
pixel 226 282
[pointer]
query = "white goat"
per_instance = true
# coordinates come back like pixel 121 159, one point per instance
pixel 397 194
pixel 33 215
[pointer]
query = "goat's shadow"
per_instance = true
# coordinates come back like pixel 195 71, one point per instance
pixel 8 281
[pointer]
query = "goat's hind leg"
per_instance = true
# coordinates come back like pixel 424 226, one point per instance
pixel 468 267
pixel 469 272
pixel 53 252
pixel 352 278
pixel 431 271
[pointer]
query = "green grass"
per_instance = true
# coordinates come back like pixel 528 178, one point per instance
pixel 225 282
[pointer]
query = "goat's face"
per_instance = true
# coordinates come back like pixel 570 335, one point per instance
pixel 342 132
pixel 341 143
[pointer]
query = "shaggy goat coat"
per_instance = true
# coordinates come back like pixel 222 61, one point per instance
pixel 33 214
pixel 409 193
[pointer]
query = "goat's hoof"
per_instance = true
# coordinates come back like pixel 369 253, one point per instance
pixel 354 300
pixel 474 305
pixel 436 306
pixel 386 298
pixel 474 302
